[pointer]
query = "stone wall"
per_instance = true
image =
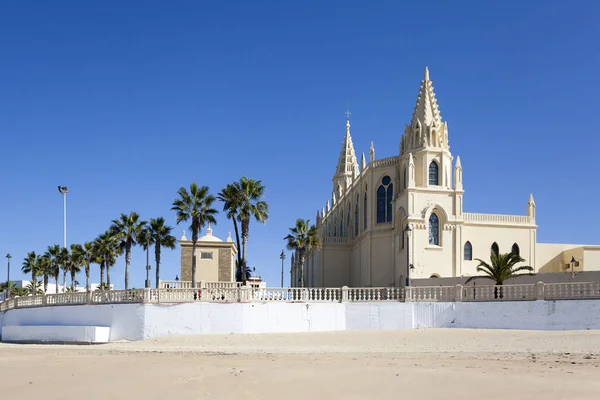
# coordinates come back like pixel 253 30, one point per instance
pixel 225 266
pixel 186 263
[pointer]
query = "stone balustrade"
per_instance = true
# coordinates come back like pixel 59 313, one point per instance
pixel 458 293
pixel 385 162
pixel 496 218
pixel 199 284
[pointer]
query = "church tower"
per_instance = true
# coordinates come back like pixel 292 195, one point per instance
pixel 347 166
pixel 427 139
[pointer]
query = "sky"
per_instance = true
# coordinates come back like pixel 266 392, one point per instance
pixel 126 101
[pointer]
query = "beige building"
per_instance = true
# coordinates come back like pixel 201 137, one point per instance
pixel 363 227
pixel 215 259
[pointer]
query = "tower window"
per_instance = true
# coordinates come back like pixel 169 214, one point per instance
pixel 433 174
pixel 434 231
pixel 468 251
pixel 495 248
pixel 405 178
pixel 385 192
pixel 515 249
pixel 206 255
pixel 365 210
pixel 356 221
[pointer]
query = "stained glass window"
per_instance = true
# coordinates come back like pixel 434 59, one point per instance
pixel 381 204
pixel 468 251
pixel 433 173
pixel 365 210
pixel 434 233
pixel 385 193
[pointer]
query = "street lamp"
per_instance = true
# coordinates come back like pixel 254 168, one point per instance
pixel 282 257
pixel 64 190
pixel 573 262
pixel 407 232
pixel 8 257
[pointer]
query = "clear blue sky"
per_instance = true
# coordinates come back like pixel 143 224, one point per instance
pixel 126 101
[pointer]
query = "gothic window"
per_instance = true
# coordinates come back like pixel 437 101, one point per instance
pixel 405 178
pixel 365 210
pixel 515 249
pixel 385 193
pixel 342 223
pixel 433 173
pixel 356 221
pixel 348 223
pixel 335 227
pixel 468 251
pixel 434 229
pixel 495 248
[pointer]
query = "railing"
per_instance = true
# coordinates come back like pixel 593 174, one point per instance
pixel 199 284
pixel 458 293
pixel 502 218
pixel 385 162
pixel 337 240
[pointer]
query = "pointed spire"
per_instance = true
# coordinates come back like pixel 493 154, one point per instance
pixel 347 163
pixel 531 201
pixel 531 208
pixel 363 162
pixel 458 174
pixel 322 212
pixel 427 110
pixel 458 164
pixel 328 207
pixel 411 171
pixel 372 153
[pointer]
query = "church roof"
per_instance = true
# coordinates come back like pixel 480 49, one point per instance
pixel 426 110
pixel 209 236
pixel 347 163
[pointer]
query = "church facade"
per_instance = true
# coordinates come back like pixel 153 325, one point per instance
pixel 402 217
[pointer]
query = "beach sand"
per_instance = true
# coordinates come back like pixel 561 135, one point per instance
pixel 428 364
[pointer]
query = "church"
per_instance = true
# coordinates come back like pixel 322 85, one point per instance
pixel 402 217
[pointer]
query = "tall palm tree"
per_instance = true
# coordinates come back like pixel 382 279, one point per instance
pixel 196 206
pixel 106 250
pixel 46 269
pixel 31 265
pixel 87 257
pixel 128 229
pixel 76 262
pixel 230 196
pixel 303 238
pixel 64 260
pixel 53 254
pixel 502 268
pixel 160 236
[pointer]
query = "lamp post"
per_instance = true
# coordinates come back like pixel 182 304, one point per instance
pixel 407 232
pixel 8 257
pixel 573 262
pixel 282 257
pixel 64 190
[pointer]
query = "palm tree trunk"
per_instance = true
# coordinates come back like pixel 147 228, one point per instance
pixel 301 269
pixel 73 280
pixel 127 261
pixel 157 260
pixel 237 240
pixel 108 275
pixel 245 229
pixel 56 280
pixel 33 282
pixel 45 283
pixel 64 279
pixel 87 278
pixel 194 263
pixel 101 272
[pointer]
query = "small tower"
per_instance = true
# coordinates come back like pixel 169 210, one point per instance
pixel 363 163
pixel 531 208
pixel 458 185
pixel 347 165
pixel 372 153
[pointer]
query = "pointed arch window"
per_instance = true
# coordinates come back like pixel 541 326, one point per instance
pixel 515 249
pixel 405 178
pixel 335 226
pixel 433 173
pixel 468 251
pixel 356 211
pixel 385 192
pixel 342 223
pixel 495 248
pixel 434 229
pixel 348 222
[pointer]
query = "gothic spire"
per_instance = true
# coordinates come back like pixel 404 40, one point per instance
pixel 426 110
pixel 347 163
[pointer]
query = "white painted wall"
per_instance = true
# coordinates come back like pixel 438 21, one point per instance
pixel 69 334
pixel 136 321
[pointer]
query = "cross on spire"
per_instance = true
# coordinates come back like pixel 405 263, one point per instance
pixel 348 113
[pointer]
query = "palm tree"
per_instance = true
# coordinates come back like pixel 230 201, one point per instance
pixel 53 254
pixel 160 236
pixel 303 238
pixel 20 291
pixel 239 276
pixel 76 262
pixel 230 196
pixel 250 205
pixel 87 257
pixel 37 288
pixel 106 250
pixel 31 265
pixel 195 205
pixel 4 286
pixel 501 269
pixel 64 260
pixel 128 229
pixel 46 269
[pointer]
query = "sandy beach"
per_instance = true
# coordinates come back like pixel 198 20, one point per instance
pixel 440 364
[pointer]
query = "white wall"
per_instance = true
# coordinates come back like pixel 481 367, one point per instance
pixel 136 321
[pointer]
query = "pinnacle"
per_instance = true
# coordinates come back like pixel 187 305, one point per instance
pixel 531 198
pixel 347 163
pixel 426 109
